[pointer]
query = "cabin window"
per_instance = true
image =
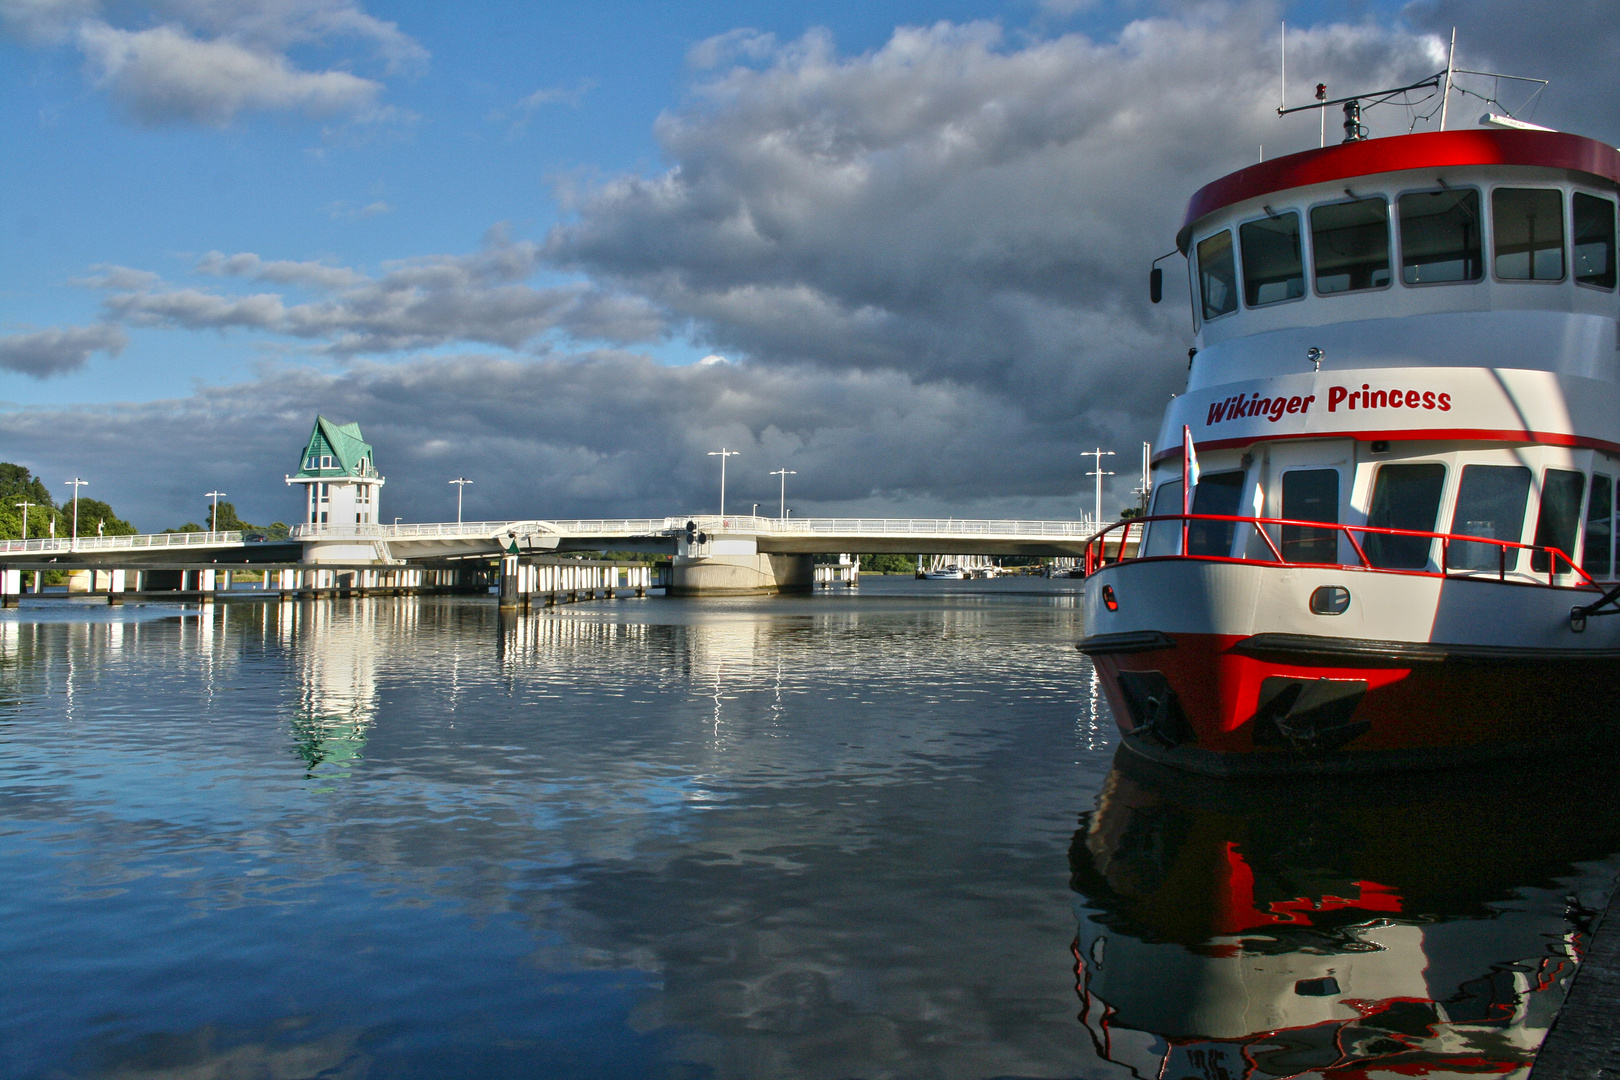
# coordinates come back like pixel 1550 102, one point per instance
pixel 1216 493
pixel 1350 245
pixel 1404 497
pixel 1595 552
pixel 1594 241
pixel 326 461
pixel 1440 236
pixel 1490 504
pixel 1273 268
pixel 1164 537
pixel 1558 518
pixel 1217 275
pixel 1528 233
pixel 1310 495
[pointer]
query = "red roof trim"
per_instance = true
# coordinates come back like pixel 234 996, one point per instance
pixel 1430 150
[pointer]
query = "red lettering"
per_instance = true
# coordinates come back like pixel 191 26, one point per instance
pixel 1278 406
pixel 1336 394
pixel 1216 412
pixel 1395 399
pixel 1428 399
pixel 1294 404
pixel 1445 402
pixel 1379 400
pixel 1306 404
pixel 1412 399
pixel 1354 394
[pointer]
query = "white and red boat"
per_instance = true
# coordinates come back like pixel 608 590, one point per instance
pixel 1402 424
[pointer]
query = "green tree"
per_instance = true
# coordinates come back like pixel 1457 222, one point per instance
pixel 94 513
pixel 889 564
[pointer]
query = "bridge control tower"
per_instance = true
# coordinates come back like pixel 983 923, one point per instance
pixel 340 478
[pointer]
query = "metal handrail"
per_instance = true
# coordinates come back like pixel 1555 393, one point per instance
pixel 746 524
pixel 1097 548
pixel 121 543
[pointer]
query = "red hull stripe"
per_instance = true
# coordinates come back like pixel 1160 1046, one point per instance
pixel 1541 438
pixel 1430 150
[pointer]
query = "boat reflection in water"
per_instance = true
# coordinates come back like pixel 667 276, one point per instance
pixel 1426 925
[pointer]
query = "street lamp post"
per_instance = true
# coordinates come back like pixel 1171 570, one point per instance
pixel 461 483
pixel 1099 454
pixel 722 454
pixel 24 505
pixel 213 526
pixel 73 538
pixel 781 510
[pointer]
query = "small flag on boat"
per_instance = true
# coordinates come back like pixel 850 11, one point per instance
pixel 1192 457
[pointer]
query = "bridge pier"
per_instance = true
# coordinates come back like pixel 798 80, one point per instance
pixel 739 573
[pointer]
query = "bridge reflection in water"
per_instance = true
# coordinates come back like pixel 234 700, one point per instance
pixel 1414 926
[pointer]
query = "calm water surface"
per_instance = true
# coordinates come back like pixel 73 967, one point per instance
pixel 840 836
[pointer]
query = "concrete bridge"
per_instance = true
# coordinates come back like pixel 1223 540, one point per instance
pixel 742 554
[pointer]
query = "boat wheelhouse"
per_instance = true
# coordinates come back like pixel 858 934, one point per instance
pixel 1404 408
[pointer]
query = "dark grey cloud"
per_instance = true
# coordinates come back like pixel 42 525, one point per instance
pixel 208 61
pixel 609 434
pixel 1575 44
pixel 40 354
pixel 956 205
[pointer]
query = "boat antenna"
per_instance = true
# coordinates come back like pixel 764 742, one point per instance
pixel 1282 97
pixel 1451 61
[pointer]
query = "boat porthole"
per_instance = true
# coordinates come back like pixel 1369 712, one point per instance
pixel 1111 602
pixel 1330 600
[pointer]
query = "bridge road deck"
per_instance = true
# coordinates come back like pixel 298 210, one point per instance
pixel 392 544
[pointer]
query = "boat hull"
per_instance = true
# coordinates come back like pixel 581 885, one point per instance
pixel 1222 668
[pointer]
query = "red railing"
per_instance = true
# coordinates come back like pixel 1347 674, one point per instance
pixel 1097 548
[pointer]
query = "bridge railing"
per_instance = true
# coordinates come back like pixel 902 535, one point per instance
pixel 743 523
pixel 137 542
pixel 462 530
pixel 964 527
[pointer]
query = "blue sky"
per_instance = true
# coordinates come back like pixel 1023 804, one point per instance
pixel 500 236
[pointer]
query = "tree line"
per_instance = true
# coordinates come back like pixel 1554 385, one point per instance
pixel 48 515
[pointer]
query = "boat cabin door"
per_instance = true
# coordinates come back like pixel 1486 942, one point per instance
pixel 1307 483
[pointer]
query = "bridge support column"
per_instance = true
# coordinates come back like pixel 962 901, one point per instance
pixel 10 587
pixel 115 587
pixel 511 597
pixel 739 573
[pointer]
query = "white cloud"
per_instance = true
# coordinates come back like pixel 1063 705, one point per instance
pixel 44 22
pixel 40 354
pixel 210 61
pixel 165 74
pixel 414 304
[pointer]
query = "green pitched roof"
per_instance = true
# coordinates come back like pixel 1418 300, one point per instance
pixel 343 443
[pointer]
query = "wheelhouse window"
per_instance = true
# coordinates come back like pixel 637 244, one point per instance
pixel 1528 233
pixel 1216 493
pixel 1596 554
pixel 1164 537
pixel 1440 236
pixel 1558 518
pixel 1350 245
pixel 1594 241
pixel 1273 269
pixel 1490 504
pixel 1404 497
pixel 1217 275
pixel 1310 495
